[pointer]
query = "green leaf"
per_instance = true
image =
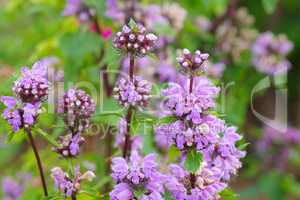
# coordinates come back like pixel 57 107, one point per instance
pixel 48 137
pixel 174 153
pixel 269 5
pixel 228 194
pixel 132 24
pixel 9 137
pixel 243 146
pixel 193 161
pixel 168 196
pixel 167 120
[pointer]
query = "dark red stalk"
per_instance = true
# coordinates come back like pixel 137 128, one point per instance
pixel 192 180
pixel 38 160
pixel 107 86
pixel 191 84
pixel 131 66
pixel 127 143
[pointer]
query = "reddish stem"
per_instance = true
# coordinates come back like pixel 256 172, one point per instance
pixel 131 67
pixel 38 160
pixel 107 86
pixel 127 144
pixel 191 84
pixel 193 180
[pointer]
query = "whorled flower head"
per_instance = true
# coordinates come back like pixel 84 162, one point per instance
pixel 211 137
pixel 224 154
pixel 67 185
pixel 18 116
pixel 205 184
pixel 269 53
pixel 199 136
pixel 135 92
pixel 69 145
pixel 192 62
pixel 180 102
pixel 78 107
pixel 135 40
pixel 11 188
pixel 136 174
pixel 33 86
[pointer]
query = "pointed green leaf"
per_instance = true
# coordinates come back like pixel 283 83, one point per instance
pixel 193 161
pixel 132 24
pixel 228 194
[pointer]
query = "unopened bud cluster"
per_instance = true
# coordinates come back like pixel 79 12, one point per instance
pixel 192 62
pixel 135 40
pixel 33 86
pixel 78 108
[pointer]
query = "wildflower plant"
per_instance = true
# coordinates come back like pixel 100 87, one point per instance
pixel 161 136
pixel 207 144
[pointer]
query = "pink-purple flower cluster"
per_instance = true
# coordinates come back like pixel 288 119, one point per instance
pixel 77 107
pixel 205 184
pixel 67 185
pixel 180 102
pixel 33 85
pixel 69 145
pixel 137 178
pixel 192 62
pixel 195 128
pixel 270 52
pixel 31 90
pixel 135 40
pixel 134 93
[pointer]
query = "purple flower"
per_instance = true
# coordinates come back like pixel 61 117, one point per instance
pixel 121 191
pixel 224 154
pixel 182 103
pixel 12 189
pixel 133 93
pixel 69 145
pixel 137 172
pixel 67 185
pixel 205 184
pixel 191 63
pixel 198 136
pixel 269 53
pixel 19 117
pixel 33 86
pixel 77 107
pixel 135 40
